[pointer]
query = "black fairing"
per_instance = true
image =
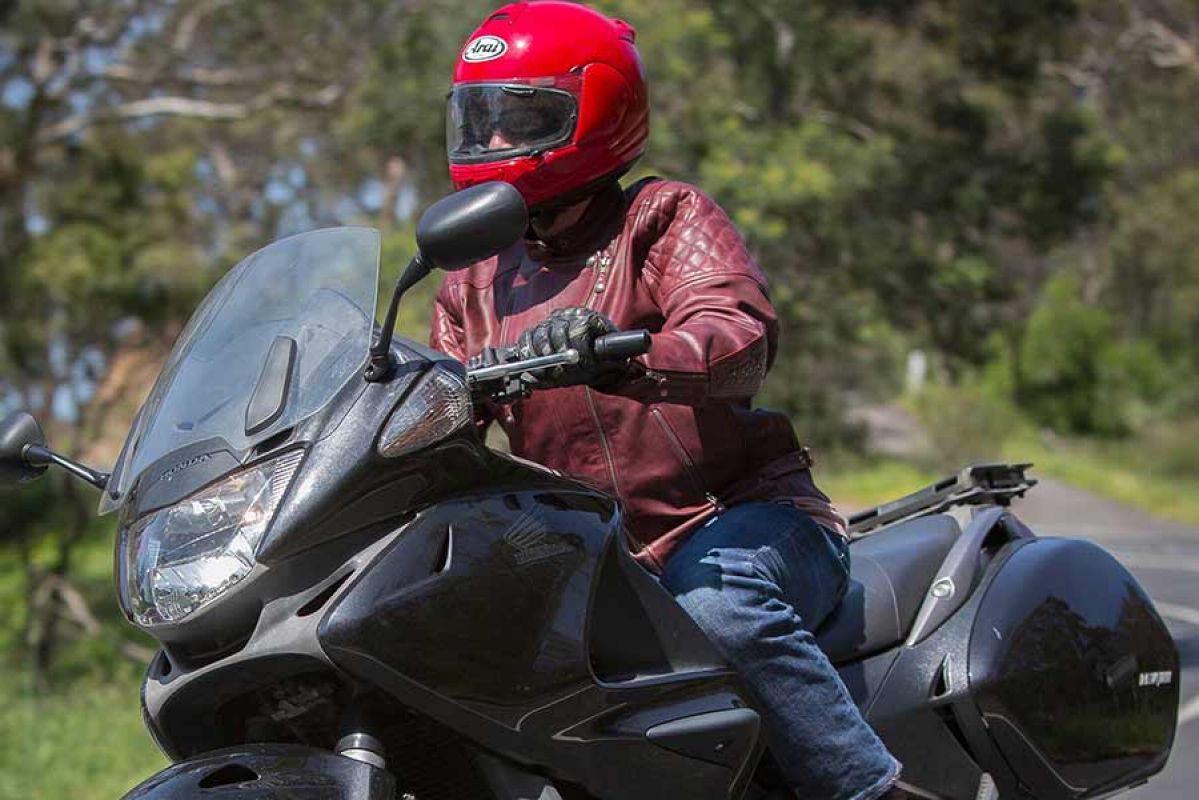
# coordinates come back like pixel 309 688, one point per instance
pixel 519 621
pixel 502 588
pixel 268 772
pixel 511 619
pixel 1073 671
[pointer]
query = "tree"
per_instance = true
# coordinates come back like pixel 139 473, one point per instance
pixel 131 159
pixel 903 171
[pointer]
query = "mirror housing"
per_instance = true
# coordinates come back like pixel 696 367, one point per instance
pixel 471 225
pixel 461 229
pixel 17 432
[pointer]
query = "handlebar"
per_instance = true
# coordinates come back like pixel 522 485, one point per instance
pixel 622 345
pixel 508 380
pixel 500 371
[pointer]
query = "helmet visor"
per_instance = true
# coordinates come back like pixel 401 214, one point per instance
pixel 491 122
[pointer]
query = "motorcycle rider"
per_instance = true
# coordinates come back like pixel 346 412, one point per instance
pixel 719 500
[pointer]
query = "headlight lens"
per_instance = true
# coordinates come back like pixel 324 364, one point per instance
pixel 436 407
pixel 183 557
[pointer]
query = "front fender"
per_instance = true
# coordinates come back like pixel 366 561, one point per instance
pixel 266 772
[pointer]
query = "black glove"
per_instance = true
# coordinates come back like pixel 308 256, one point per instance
pixel 567 329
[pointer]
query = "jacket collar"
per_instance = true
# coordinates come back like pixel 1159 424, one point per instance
pixel 593 230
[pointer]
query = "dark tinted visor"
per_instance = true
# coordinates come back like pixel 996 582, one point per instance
pixel 490 122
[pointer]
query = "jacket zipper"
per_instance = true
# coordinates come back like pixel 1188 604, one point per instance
pixel 685 457
pixel 604 445
pixel 601 261
pixel 607 448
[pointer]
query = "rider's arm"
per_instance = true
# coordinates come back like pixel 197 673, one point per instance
pixel 720 330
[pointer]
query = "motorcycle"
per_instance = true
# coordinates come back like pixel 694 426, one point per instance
pixel 355 598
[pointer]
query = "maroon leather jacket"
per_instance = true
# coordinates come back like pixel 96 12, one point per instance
pixel 681 440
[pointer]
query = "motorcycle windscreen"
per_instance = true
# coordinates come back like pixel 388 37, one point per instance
pixel 270 346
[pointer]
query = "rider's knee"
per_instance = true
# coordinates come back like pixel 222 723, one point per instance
pixel 730 618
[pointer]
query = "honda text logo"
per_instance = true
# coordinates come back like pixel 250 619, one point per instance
pixel 485 48
pixel 191 462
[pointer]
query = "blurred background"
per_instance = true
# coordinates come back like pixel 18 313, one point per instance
pixel 980 221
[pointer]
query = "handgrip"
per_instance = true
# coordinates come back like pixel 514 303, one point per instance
pixel 622 345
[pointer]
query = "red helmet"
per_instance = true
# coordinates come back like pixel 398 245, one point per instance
pixel 550 97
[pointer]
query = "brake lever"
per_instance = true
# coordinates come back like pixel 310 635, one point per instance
pixel 515 380
pixel 504 381
pixel 500 371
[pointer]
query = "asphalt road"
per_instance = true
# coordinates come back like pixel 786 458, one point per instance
pixel 1164 556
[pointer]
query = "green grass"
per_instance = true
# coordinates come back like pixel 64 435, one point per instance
pixel 1129 472
pixel 1155 469
pixel 82 737
pixel 1146 473
pixel 854 484
pixel 1120 471
pixel 86 741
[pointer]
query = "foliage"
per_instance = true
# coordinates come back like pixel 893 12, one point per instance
pixel 1133 471
pixel 81 735
pixel 1077 374
pixel 86 742
pixel 112 219
pixel 967 424
pixel 902 173
pixel 855 483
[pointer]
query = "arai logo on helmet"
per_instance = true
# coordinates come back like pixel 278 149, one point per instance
pixel 485 48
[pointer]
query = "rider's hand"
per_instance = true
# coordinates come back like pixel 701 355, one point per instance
pixel 567 329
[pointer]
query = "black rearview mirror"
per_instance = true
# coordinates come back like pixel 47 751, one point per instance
pixel 455 232
pixel 17 432
pixel 471 225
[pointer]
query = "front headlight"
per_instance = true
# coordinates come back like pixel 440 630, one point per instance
pixel 183 557
pixel 437 406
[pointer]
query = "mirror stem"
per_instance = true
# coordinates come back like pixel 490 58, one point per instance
pixel 38 456
pixel 380 367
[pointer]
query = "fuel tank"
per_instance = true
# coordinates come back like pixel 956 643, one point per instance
pixel 1073 672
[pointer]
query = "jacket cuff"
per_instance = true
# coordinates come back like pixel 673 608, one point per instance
pixel 734 376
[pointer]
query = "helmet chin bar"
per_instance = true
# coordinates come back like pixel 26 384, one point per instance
pixel 546 212
pixel 544 217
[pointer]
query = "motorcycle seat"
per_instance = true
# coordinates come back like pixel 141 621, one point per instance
pixel 890 573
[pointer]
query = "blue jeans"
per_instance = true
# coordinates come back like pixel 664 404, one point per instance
pixel 758 579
